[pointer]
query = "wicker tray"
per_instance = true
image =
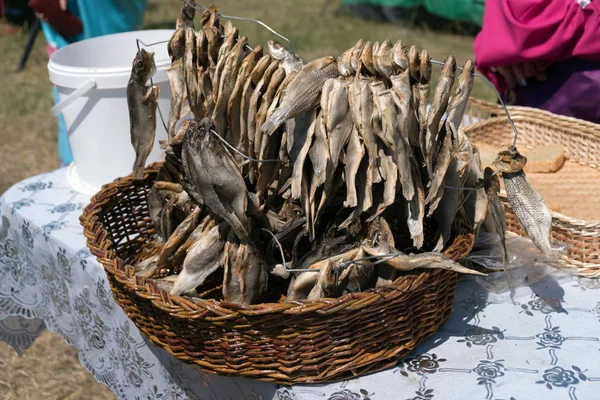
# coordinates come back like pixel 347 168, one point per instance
pixel 488 124
pixel 302 342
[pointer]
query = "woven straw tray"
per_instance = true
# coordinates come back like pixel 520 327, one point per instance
pixel 575 188
pixel 301 342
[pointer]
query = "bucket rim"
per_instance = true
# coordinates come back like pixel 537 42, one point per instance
pixel 71 71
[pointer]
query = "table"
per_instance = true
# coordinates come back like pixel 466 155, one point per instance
pixel 544 346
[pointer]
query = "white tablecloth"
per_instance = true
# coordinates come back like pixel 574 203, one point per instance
pixel 545 346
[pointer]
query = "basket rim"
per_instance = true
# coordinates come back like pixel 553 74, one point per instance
pixel 179 306
pixel 529 114
pixel 537 114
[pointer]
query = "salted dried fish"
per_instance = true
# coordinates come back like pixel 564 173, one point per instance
pixel 438 107
pixel 383 60
pixel 445 212
pixel 213 178
pixel 226 84
pixel 366 58
pixel 495 208
pixel 423 89
pixel 179 236
pixel 203 258
pixel 142 103
pixel 253 78
pixel 416 208
pixel 355 62
pixel 190 75
pixel 403 262
pixel 298 170
pixel 301 286
pixel 254 132
pixel 344 62
pixel 392 118
pixel 458 105
pixel 327 285
pixel 167 283
pixel 177 84
pixel 235 100
pixel 338 121
pixel 361 107
pixel 231 36
pixel 288 59
pixel 275 80
pixel 527 204
pixel 475 204
pixel 213 37
pixel 148 267
pixel 268 145
pixel 303 92
pixel 436 184
pixel 354 155
pixel 245 274
pixel 400 55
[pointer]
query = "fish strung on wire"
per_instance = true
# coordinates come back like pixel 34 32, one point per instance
pixel 527 204
pixel 142 104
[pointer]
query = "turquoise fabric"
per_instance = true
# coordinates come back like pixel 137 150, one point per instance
pixel 455 10
pixel 99 17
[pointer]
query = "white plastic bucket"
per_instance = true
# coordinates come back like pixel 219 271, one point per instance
pixel 91 77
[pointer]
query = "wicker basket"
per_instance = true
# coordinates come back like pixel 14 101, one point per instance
pixel 488 123
pixel 301 342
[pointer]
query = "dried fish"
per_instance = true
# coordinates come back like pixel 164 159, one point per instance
pixel 212 178
pixel 303 92
pixel 235 100
pixel 527 204
pixel 491 183
pixel 288 60
pixel 203 258
pixel 434 115
pixel 245 273
pixel 226 84
pixel 403 262
pixel 142 103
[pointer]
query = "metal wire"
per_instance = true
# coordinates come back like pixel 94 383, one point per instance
pixel 487 81
pixel 199 7
pixel 283 256
pixel 229 146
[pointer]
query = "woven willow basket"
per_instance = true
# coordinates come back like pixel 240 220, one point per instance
pixel 488 123
pixel 302 342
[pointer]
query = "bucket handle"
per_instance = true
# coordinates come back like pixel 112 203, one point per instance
pixel 80 91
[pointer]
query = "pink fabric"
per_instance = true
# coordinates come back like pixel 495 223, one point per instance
pixel 50 49
pixel 516 31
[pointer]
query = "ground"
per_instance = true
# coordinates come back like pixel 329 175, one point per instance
pixel 50 368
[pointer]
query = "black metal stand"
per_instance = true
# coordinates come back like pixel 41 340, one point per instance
pixel 34 31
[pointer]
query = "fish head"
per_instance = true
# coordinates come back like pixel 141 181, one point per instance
pixel 465 80
pixel 277 50
pixel 414 62
pixel 491 181
pixel 188 12
pixel 399 55
pixel 449 68
pixel 379 232
pixel 510 161
pixel 425 67
pixel 143 65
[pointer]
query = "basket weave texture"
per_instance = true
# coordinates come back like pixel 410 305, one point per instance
pixel 581 140
pixel 302 342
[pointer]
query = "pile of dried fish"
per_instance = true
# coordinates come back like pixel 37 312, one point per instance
pixel 335 168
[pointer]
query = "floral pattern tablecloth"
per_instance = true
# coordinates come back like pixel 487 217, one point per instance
pixel 543 344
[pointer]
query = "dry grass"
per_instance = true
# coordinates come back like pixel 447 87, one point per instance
pixel 50 368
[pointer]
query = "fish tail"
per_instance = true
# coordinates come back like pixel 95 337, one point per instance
pixel 277 118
